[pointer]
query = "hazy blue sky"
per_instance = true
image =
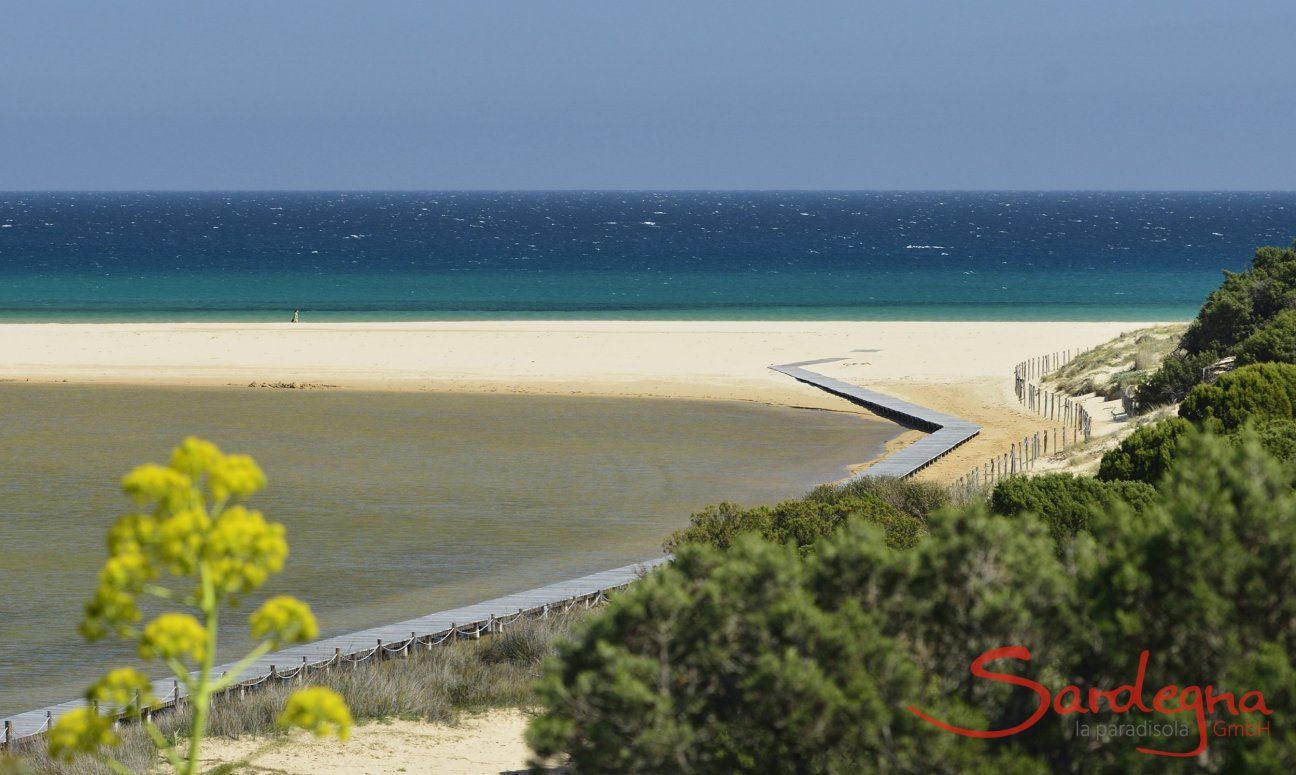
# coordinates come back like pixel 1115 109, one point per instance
pixel 664 94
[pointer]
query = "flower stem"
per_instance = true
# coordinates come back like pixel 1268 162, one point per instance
pixel 200 699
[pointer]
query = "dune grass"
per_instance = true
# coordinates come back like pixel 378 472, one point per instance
pixel 468 676
pixel 1109 368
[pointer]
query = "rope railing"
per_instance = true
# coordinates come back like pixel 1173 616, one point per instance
pixel 1075 425
pixel 1049 403
pixel 11 742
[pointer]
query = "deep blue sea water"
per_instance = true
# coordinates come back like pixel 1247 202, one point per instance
pixel 688 255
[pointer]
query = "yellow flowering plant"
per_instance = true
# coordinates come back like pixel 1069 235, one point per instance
pixel 192 543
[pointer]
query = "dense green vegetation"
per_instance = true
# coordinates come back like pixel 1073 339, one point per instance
pixel 1250 316
pixel 1274 341
pixel 753 656
pixel 1262 392
pixel 1260 396
pixel 1146 454
pixel 899 507
pixel 1066 502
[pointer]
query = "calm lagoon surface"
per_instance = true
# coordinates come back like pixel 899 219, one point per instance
pixel 396 504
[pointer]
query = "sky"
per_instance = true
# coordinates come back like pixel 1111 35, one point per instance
pixel 710 94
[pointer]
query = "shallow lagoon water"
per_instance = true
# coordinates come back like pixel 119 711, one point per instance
pixel 397 504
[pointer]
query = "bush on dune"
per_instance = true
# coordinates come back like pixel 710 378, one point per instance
pixel 1244 301
pixel 912 497
pixel 799 522
pixel 1249 315
pixel 1278 438
pixel 1262 392
pixel 1273 342
pixel 824 510
pixel 730 661
pixel 1146 454
pixel 1066 502
pixel 1177 375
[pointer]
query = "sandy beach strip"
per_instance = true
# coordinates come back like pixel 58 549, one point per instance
pixel 487 743
pixel 961 368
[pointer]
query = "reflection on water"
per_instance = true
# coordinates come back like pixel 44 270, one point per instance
pixel 396 504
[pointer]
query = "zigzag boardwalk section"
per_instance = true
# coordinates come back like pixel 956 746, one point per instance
pixel 389 641
pixel 944 432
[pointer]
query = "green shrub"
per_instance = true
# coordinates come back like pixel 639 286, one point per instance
pixel 1177 375
pixel 1274 341
pixel 800 522
pixel 909 496
pixel 1240 317
pixel 728 661
pixel 1226 317
pixel 1278 439
pixel 1213 555
pixel 1066 502
pixel 1262 392
pixel 1146 454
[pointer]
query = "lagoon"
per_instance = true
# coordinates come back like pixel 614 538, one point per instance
pixel 396 504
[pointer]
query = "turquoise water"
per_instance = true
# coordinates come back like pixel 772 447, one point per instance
pixel 683 255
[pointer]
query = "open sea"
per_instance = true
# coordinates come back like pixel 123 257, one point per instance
pixel 686 255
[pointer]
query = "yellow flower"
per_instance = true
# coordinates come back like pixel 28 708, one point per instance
pixel 244 550
pixel 173 636
pixel 235 476
pixel 180 539
pixel 195 457
pixel 120 690
pixel 111 608
pixel 126 573
pixel 80 731
pixel 131 534
pixel 151 483
pixel 318 710
pixel 284 619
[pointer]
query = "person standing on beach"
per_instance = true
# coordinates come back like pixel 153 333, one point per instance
pixel 295 312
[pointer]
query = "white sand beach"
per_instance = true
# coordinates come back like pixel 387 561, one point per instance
pixel 961 368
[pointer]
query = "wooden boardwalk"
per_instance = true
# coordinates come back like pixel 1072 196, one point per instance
pixel 390 640
pixel 944 432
